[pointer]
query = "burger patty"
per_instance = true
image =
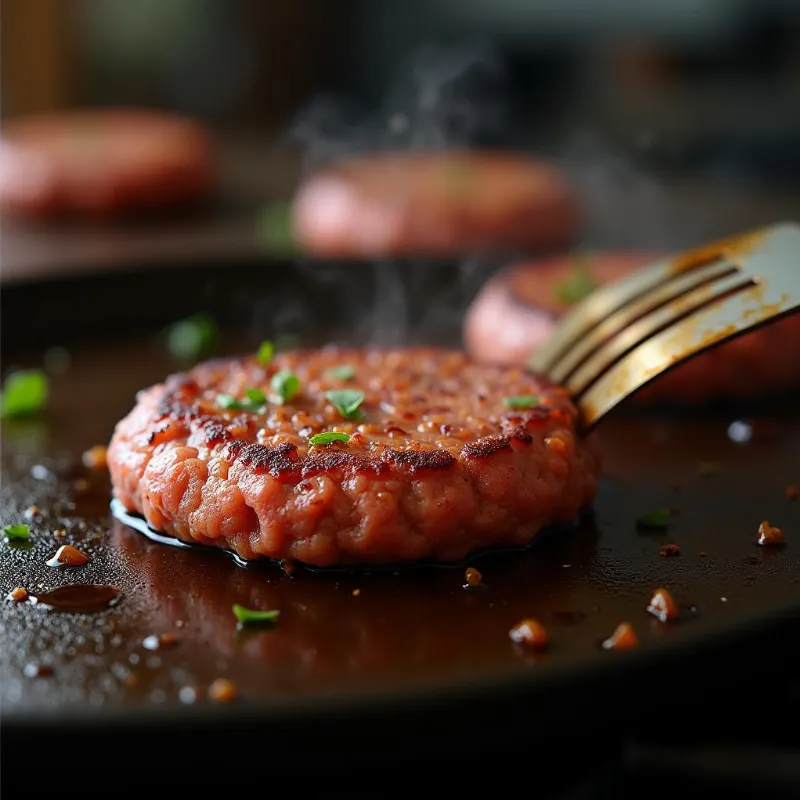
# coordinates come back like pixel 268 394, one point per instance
pixel 517 311
pixel 438 203
pixel 445 456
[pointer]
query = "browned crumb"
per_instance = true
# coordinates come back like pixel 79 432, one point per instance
pixel 529 632
pixel 131 680
pixel 702 554
pixel 769 536
pixel 472 578
pixel 95 457
pixel 288 566
pixel 222 690
pixel 792 492
pixel 157 641
pixel 60 533
pixel 80 485
pixel 663 606
pixel 18 594
pixel 623 638
pixel 33 670
pixel 670 549
pixel 356 592
pixel 68 556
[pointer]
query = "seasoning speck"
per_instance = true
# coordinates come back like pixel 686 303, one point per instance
pixel 792 492
pixel 32 511
pixel 16 532
pixel 60 533
pixel 95 457
pixel 356 592
pixel 222 691
pixel 19 594
pixel 38 670
pixel 670 549
pixel 472 578
pixel 768 536
pixel 662 606
pixel 157 641
pixel 68 556
pixel 723 599
pixel 529 632
pixel 623 638
pixel 657 518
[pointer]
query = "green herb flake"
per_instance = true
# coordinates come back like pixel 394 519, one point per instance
pixel 265 352
pixel 249 616
pixel 192 338
pixel 344 372
pixel 285 384
pixel 657 518
pixel 24 393
pixel 346 401
pixel 579 284
pixel 329 437
pixel 521 401
pixel 254 400
pixel 17 532
pixel 275 228
pixel 458 176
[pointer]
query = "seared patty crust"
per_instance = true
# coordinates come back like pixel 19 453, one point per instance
pixel 445 457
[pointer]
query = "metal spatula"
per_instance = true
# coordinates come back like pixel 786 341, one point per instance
pixel 627 333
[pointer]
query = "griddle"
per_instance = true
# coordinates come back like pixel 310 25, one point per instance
pixel 386 667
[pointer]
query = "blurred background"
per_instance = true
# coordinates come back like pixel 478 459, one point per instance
pixel 684 113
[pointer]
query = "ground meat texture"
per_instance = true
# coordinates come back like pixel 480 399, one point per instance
pixel 517 310
pixel 437 467
pixel 434 203
pixel 103 162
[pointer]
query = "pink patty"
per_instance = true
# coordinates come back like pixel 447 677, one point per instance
pixel 519 308
pixel 438 464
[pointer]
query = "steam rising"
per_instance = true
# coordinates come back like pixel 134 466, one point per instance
pixel 442 97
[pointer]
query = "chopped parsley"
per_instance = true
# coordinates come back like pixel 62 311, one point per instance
pixel 657 518
pixel 192 338
pixel 578 285
pixel 17 532
pixel 458 176
pixel 275 226
pixel 344 372
pixel 285 384
pixel 265 352
pixel 521 401
pixel 24 393
pixel 253 400
pixel 346 401
pixel 249 616
pixel 329 437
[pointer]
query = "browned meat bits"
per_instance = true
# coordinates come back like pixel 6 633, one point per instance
pixel 432 457
pixel 770 536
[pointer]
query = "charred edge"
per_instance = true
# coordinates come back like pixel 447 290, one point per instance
pixel 334 458
pixel 414 460
pixel 177 399
pixel 155 434
pixel 483 448
pixel 215 433
pixel 278 460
